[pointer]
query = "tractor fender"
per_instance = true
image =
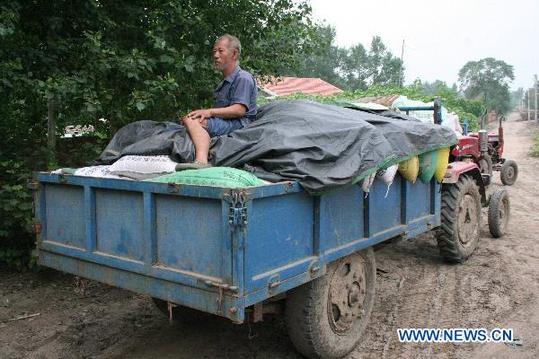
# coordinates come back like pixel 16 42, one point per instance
pixel 459 168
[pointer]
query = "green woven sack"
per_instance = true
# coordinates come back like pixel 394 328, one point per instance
pixel 427 165
pixel 213 176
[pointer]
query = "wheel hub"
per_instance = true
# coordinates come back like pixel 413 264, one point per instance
pixel 347 293
pixel 354 294
pixel 510 173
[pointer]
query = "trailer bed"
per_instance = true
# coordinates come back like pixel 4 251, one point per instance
pixel 217 250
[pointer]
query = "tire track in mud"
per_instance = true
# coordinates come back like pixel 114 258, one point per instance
pixel 420 305
pixel 436 295
pixel 414 294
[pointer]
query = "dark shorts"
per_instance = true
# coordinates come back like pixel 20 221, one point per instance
pixel 219 127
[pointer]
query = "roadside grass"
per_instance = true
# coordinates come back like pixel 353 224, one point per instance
pixel 535 147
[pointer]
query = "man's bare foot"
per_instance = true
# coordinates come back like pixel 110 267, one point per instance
pixel 197 165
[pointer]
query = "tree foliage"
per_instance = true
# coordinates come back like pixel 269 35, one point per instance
pixel 122 60
pixel 437 86
pixel 516 97
pixel 325 60
pixel 354 68
pixel 488 79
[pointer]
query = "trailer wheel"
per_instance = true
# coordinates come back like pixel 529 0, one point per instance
pixel 458 235
pixel 180 313
pixel 498 213
pixel 509 172
pixel 327 316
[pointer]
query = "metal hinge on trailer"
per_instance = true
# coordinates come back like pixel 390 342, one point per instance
pixel 237 215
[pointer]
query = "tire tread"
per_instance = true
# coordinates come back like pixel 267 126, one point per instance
pixel 447 237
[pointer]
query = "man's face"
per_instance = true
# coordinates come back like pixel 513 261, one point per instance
pixel 223 56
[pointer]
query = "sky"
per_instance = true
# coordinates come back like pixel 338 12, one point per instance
pixel 441 36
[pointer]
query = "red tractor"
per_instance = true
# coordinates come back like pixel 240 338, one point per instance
pixel 486 150
pixel 464 188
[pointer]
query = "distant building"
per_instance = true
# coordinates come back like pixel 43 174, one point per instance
pixel 284 86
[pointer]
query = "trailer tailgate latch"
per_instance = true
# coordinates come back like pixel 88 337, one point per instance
pixel 223 286
pixel 221 289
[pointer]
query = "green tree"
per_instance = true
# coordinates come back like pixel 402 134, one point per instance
pixel 383 67
pixel 354 68
pixel 516 97
pixel 361 69
pixel 325 60
pixel 122 60
pixel 488 79
pixel 431 88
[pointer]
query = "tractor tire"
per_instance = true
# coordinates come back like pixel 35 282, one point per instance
pixel 458 235
pixel 327 316
pixel 486 168
pixel 509 172
pixel 485 164
pixel 498 213
pixel 180 313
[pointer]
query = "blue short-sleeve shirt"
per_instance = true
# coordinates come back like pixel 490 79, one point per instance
pixel 238 87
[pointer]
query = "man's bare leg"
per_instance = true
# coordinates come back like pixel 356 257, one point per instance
pixel 200 139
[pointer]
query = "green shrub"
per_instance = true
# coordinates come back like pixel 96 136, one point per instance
pixel 16 238
pixel 535 147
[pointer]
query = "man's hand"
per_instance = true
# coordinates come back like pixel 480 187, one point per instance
pixel 199 115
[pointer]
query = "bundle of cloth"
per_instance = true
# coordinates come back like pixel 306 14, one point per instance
pixel 321 146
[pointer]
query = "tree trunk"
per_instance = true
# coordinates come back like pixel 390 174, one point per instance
pixel 51 130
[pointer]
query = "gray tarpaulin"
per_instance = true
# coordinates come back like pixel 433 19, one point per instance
pixel 321 146
pixel 149 138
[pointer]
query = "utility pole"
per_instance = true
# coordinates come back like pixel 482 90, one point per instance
pixel 535 87
pixel 401 77
pixel 529 100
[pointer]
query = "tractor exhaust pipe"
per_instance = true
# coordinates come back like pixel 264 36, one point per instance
pixel 483 141
pixel 483 135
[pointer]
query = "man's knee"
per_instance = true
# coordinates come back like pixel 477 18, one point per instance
pixel 188 123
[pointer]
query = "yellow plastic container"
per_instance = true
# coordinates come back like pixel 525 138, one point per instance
pixel 409 169
pixel 443 161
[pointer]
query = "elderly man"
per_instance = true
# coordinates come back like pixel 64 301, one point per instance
pixel 234 102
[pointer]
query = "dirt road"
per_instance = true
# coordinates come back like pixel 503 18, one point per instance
pixel 497 287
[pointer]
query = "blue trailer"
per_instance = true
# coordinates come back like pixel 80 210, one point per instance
pixel 239 253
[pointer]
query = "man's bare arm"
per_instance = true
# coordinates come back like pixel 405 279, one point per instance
pixel 233 111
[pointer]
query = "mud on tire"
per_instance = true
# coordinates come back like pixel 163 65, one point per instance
pixel 458 235
pixel 498 213
pixel 327 316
